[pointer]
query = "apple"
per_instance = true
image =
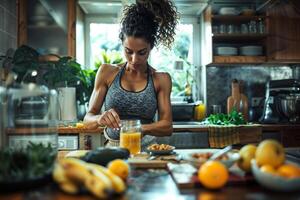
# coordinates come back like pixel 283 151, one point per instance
pixel 247 153
pixel 270 152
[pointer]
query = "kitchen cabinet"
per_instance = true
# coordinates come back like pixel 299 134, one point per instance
pixel 234 31
pixel 284 32
pixel 48 26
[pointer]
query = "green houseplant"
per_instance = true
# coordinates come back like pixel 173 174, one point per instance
pixel 63 72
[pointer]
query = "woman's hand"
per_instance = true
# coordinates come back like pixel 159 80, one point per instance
pixel 109 118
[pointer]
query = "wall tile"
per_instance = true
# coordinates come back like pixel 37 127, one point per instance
pixel 254 77
pixel 1 18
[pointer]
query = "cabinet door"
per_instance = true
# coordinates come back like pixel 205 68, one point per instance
pixel 284 32
pixel 291 137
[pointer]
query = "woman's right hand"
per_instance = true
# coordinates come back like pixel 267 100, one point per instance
pixel 109 118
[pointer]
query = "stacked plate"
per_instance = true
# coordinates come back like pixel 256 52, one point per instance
pixel 251 50
pixel 228 11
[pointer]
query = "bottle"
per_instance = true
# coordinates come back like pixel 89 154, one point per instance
pixel 131 136
pixel 200 111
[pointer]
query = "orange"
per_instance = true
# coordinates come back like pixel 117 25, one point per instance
pixel 289 171
pixel 213 174
pixel 268 169
pixel 120 168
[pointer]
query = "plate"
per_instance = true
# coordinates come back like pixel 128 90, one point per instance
pixel 161 152
pixel 197 162
pixel 274 182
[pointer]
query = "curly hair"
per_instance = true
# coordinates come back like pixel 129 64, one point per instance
pixel 153 20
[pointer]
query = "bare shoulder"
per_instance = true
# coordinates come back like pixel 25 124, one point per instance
pixel 106 73
pixel 161 80
pixel 161 76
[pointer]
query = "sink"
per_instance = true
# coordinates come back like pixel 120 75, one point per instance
pixel 187 124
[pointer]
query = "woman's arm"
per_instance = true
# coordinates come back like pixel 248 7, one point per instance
pixel 163 127
pixel 108 118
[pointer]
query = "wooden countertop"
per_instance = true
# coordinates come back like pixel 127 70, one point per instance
pixel 198 129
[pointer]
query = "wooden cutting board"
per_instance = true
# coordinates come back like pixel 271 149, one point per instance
pixel 141 161
pixel 185 176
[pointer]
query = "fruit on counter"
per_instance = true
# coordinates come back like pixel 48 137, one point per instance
pixel 117 183
pixel 289 171
pixel 270 152
pixel 247 153
pixel 103 156
pixel 213 174
pixel 77 153
pixel 79 125
pixel 72 174
pixel 119 167
pixel 268 169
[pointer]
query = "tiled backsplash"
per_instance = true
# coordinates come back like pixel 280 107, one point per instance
pixel 255 77
pixel 8 25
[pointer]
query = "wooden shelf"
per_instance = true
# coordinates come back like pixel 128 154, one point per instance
pixel 238 59
pixel 235 18
pixel 238 37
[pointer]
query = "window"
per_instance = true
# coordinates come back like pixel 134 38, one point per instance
pixel 164 59
pixel 103 37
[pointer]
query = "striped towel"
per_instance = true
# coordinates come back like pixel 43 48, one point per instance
pixel 221 136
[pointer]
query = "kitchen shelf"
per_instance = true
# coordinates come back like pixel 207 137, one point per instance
pixel 238 37
pixel 236 18
pixel 238 59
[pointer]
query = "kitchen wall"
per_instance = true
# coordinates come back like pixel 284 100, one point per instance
pixel 8 25
pixel 255 77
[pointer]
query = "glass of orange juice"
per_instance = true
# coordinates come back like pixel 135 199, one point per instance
pixel 131 136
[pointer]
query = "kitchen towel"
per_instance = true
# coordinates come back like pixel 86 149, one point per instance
pixel 221 136
pixel 67 103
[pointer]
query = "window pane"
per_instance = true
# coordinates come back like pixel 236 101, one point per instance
pixel 163 59
pixel 105 44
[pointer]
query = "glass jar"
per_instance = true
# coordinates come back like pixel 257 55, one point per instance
pixel 200 111
pixel 131 136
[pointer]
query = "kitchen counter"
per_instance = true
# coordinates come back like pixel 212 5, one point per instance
pixel 158 184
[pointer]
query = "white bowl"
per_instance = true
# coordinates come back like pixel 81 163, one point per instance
pixel 274 182
pixel 232 158
pixel 228 11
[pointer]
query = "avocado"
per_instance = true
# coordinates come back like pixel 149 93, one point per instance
pixel 103 156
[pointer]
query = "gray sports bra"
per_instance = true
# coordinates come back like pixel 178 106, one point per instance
pixel 131 105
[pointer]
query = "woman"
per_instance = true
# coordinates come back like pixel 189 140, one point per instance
pixel 134 90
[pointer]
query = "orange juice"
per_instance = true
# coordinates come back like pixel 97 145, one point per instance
pixel 200 111
pixel 131 141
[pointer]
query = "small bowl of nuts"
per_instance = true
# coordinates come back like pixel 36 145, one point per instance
pixel 160 149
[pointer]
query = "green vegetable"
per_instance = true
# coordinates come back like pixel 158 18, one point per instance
pixel 34 161
pixel 233 118
pixel 103 156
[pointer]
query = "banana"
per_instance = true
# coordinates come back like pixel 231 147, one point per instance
pixel 98 183
pixel 64 183
pixel 75 169
pixel 59 174
pixel 69 187
pixel 117 183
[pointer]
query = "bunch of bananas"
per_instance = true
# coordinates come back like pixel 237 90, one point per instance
pixel 72 174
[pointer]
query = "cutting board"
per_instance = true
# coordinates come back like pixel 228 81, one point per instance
pixel 185 176
pixel 141 161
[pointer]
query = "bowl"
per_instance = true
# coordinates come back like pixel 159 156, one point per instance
pixel 289 106
pixel 232 157
pixel 274 182
pixel 251 50
pixel 226 51
pixel 229 11
pixel 164 151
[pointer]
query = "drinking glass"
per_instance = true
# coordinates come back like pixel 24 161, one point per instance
pixel 131 136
